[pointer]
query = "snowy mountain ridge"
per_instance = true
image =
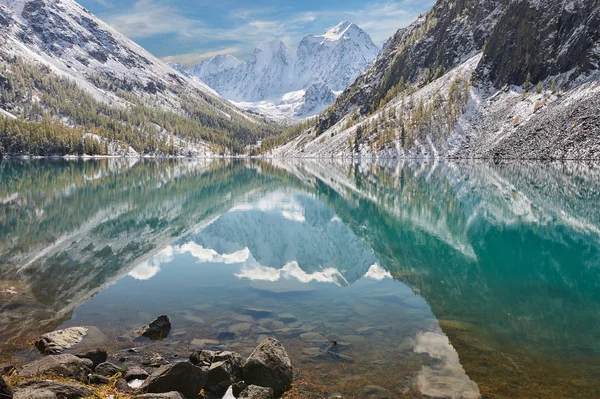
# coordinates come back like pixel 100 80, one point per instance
pixel 71 43
pixel 328 63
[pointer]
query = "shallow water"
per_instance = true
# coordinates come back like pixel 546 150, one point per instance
pixel 439 280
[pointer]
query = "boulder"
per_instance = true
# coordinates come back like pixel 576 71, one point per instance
pixel 223 373
pixel 122 386
pixel 158 329
pixel 269 366
pixel 166 395
pixel 96 356
pixel 202 357
pixel 238 387
pixel 256 392
pixel 50 390
pixel 58 341
pixel 63 365
pixel 107 369
pixel 182 377
pixel 135 373
pixel 5 390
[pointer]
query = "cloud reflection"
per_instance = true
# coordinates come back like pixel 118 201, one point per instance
pixel 292 270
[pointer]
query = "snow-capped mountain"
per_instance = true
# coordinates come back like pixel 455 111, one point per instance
pixel 73 44
pixel 474 79
pixel 275 73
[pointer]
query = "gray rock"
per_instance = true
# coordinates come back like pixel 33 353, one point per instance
pixel 269 366
pixel 166 395
pixel 122 386
pixel 182 377
pixel 96 356
pixel 225 370
pixel 202 357
pixel 51 390
pixel 238 387
pixel 58 341
pixel 135 373
pixel 158 329
pixel 107 369
pixel 154 361
pixel 256 392
pixel 96 379
pixel 5 390
pixel 63 365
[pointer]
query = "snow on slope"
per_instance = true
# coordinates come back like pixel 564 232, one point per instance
pixel 73 43
pixel 275 73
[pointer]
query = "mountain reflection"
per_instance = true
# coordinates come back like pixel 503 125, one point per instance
pixel 506 256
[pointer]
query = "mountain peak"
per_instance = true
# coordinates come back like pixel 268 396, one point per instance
pixel 340 30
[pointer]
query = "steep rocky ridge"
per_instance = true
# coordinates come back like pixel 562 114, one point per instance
pixel 473 79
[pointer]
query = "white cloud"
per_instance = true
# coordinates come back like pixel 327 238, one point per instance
pixel 248 28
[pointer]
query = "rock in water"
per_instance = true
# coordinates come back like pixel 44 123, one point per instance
pixel 97 356
pixel 5 391
pixel 57 341
pixel 256 392
pixel 181 377
pixel 50 389
pixel 63 365
pixel 158 329
pixel 269 366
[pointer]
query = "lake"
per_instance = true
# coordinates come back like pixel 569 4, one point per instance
pixel 449 279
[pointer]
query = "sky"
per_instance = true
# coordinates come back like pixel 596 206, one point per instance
pixel 188 31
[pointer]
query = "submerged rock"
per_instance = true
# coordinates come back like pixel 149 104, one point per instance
pixel 51 389
pixel 158 329
pixel 107 369
pixel 313 337
pixel 257 313
pixel 182 377
pixel 256 392
pixel 63 365
pixel 5 391
pixel 269 366
pixel 58 341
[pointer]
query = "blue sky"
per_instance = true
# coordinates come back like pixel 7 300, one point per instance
pixel 191 30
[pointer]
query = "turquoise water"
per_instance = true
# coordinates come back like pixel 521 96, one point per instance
pixel 437 279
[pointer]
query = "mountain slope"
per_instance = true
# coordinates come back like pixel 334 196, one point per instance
pixel 61 39
pixel 473 79
pixel 327 63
